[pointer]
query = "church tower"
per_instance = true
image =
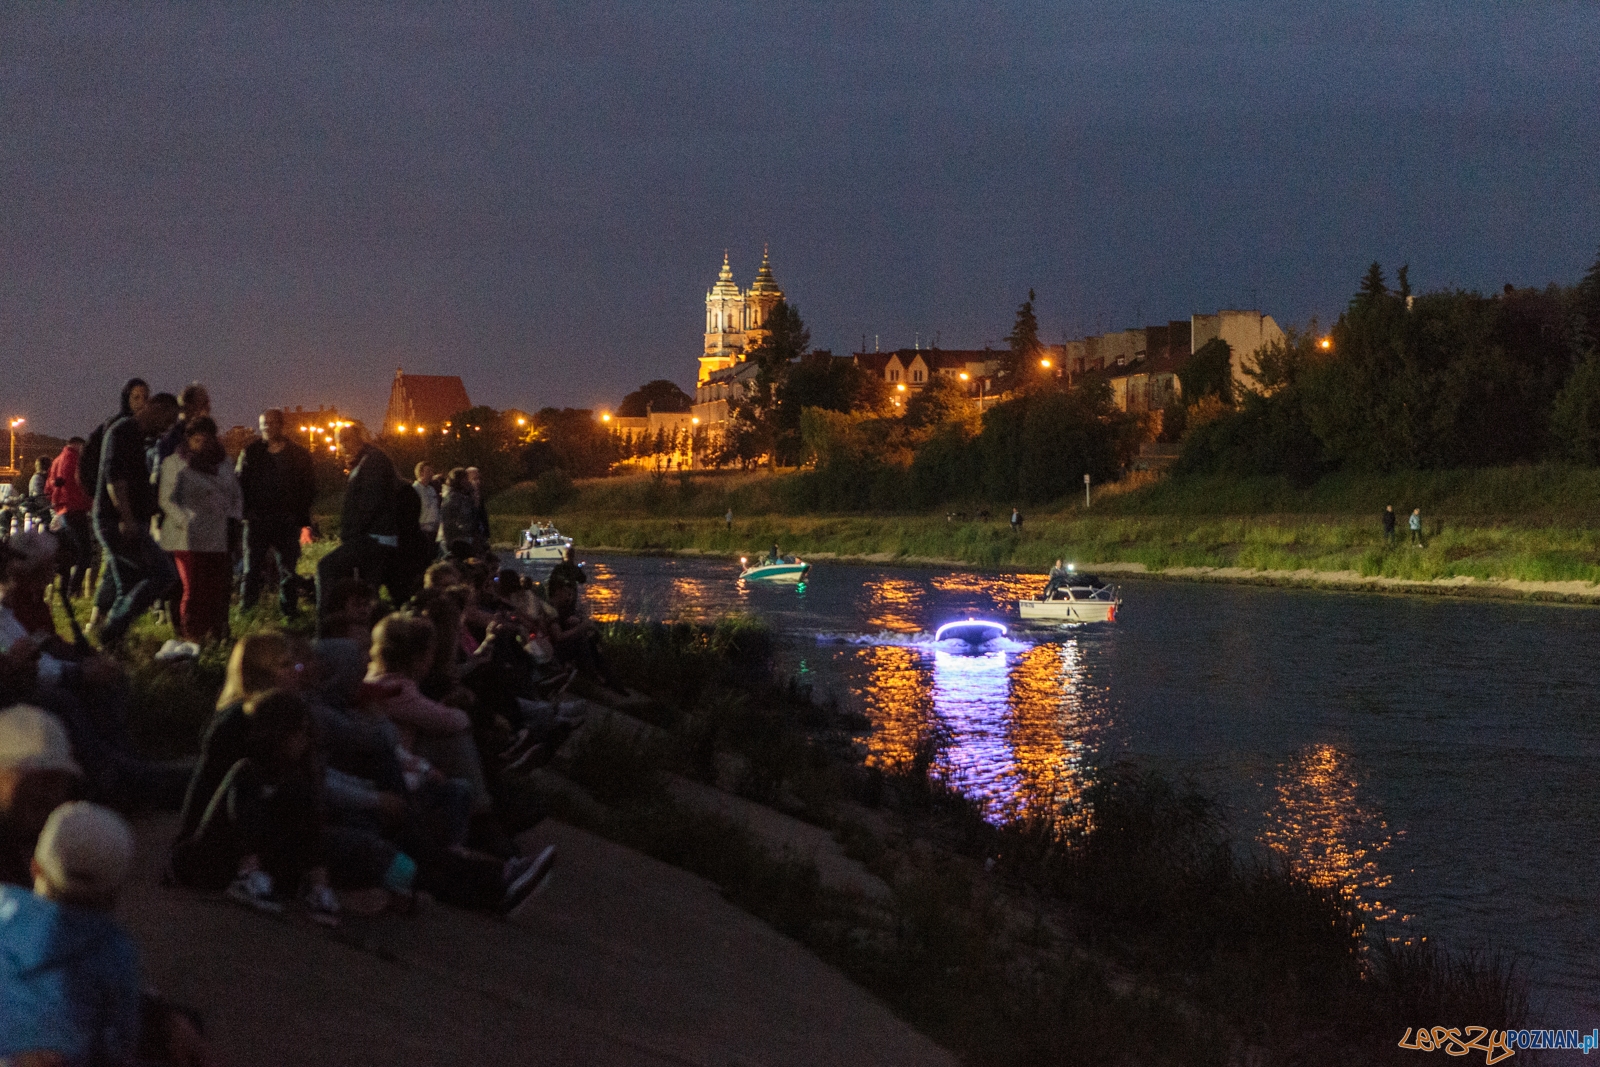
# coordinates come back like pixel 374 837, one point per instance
pixel 736 320
pixel 725 323
pixel 759 302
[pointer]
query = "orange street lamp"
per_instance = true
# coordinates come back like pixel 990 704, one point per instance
pixel 1045 363
pixel 965 376
pixel 1326 344
pixel 401 428
pixel 14 423
pixel 900 388
pixel 605 416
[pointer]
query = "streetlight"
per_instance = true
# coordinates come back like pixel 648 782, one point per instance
pixel 1326 344
pixel 14 423
pixel 1045 363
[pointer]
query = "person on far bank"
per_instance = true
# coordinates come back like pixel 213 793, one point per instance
pixel 199 494
pixel 1416 527
pixel 277 484
pixel 124 504
pixel 1388 525
pixel 71 504
pixel 368 532
pixel 1016 521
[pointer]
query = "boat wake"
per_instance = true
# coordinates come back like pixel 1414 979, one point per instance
pixel 923 641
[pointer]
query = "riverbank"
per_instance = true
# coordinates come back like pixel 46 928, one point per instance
pixel 1550 565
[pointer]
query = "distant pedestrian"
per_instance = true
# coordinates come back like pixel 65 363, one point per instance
pixel 124 504
pixel 1416 527
pixel 1388 525
pixel 480 500
pixel 1016 521
pixel 458 515
pixel 199 496
pixel 277 484
pixel 728 518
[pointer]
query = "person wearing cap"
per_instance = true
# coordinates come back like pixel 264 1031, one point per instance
pixel 37 775
pixel 69 974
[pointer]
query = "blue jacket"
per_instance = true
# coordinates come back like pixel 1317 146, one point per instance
pixel 69 982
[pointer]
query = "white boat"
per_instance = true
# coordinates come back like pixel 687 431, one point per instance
pixel 543 541
pixel 972 631
pixel 1073 597
pixel 785 570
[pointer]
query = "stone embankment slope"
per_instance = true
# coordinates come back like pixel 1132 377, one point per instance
pixel 623 960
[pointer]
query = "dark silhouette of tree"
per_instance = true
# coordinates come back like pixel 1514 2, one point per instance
pixel 660 396
pixel 1023 340
pixel 1373 285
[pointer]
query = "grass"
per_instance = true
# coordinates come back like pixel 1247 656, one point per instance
pixel 1535 524
pixel 1125 929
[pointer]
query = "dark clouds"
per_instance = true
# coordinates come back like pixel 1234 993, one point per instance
pixel 289 202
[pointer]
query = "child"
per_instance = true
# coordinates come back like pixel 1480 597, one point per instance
pixel 69 975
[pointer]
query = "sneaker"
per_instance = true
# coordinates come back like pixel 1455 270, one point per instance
pixel 322 906
pixel 533 878
pixel 254 888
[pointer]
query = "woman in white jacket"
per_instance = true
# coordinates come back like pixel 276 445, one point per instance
pixel 199 493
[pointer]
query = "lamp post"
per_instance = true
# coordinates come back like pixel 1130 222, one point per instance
pixel 14 423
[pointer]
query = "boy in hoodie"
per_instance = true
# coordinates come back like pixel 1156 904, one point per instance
pixel 69 975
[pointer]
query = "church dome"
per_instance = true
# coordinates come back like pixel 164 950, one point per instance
pixel 765 283
pixel 725 284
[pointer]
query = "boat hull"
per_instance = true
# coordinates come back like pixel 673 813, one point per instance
pixel 973 632
pixel 1068 610
pixel 776 574
pixel 536 553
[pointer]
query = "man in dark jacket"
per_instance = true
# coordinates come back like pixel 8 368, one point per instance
pixel 124 504
pixel 277 483
pixel 368 529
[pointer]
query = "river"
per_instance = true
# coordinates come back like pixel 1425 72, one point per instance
pixel 1434 757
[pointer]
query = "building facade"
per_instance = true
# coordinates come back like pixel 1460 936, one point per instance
pixel 736 320
pixel 420 402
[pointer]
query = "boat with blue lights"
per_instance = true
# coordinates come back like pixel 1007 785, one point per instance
pixel 975 632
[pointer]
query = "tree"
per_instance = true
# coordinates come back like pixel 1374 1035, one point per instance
pixel 659 395
pixel 1023 340
pixel 755 423
pixel 1586 301
pixel 1209 372
pixel 1373 286
pixel 941 400
pixel 570 439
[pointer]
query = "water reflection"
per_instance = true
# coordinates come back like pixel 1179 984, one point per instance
pixel 1014 729
pixel 1321 827
pixel 896 604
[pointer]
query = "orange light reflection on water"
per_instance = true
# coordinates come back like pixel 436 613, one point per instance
pixel 896 605
pixel 1321 827
pixel 1012 729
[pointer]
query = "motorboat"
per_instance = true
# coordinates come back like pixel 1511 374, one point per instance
pixel 1073 597
pixel 780 570
pixel 974 632
pixel 542 541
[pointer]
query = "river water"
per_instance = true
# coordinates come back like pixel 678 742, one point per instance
pixel 1436 758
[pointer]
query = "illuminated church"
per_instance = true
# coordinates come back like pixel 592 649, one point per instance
pixel 735 320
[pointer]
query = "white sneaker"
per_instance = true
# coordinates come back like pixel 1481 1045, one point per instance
pixel 255 889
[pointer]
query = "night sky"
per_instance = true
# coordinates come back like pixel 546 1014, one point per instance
pixel 288 203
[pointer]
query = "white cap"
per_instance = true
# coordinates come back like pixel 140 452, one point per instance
pixel 34 740
pixel 84 851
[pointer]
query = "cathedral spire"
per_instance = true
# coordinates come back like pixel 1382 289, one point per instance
pixel 725 284
pixel 764 282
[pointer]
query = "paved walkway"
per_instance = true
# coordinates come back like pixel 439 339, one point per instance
pixel 624 960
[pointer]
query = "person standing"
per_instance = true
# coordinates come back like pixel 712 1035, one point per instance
pixel 1388 525
pixel 368 533
pixel 198 494
pixel 38 484
pixel 458 514
pixel 124 504
pixel 277 486
pixel 480 510
pixel 1016 521
pixel 428 519
pixel 728 518
pixel 1416 527
pixel 71 504
pixel 135 394
pixel 193 403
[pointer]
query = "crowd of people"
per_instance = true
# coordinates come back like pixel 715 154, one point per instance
pixel 369 764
